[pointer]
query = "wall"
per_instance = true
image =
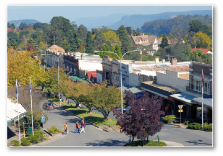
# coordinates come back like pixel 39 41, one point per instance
pixel 133 79
pixel 171 79
pixel 99 77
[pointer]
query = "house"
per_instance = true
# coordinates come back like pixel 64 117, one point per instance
pixel 205 51
pixel 91 76
pixel 171 41
pixel 150 42
pixel 107 69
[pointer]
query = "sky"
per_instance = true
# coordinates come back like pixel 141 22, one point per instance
pixel 44 13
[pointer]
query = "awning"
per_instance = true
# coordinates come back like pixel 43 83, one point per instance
pixel 183 97
pixel 78 79
pixel 160 90
pixel 135 90
pixel 207 101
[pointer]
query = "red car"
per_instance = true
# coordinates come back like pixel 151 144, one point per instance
pixel 50 106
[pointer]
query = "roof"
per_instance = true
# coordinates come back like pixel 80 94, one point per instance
pixel 170 41
pixel 203 50
pixel 160 90
pixel 164 67
pixel 91 73
pixel 183 97
pixel 151 39
pixel 13 108
pixel 78 79
pixel 56 49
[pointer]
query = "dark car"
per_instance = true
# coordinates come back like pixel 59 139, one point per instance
pixel 48 106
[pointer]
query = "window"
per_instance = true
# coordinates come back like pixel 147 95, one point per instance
pixel 115 77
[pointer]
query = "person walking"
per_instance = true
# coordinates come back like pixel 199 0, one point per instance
pixel 77 127
pixel 65 128
pixel 82 126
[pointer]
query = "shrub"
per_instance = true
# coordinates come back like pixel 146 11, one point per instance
pixel 195 125
pixel 33 139
pixel 207 126
pixel 186 123
pixel 39 135
pixel 150 143
pixel 14 143
pixel 25 142
pixel 168 118
pixel 54 130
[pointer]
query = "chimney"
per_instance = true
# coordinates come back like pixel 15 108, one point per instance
pixel 157 60
pixel 174 61
pixel 163 61
pixel 82 56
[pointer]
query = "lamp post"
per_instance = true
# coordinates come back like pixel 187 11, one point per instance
pixel 120 69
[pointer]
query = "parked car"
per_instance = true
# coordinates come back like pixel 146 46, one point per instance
pixel 48 106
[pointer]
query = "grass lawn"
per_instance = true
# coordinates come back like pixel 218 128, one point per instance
pixel 94 118
pixel 150 143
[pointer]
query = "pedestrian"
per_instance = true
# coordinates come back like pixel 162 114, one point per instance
pixel 77 127
pixel 65 128
pixel 82 126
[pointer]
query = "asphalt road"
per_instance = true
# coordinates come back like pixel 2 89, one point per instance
pixel 97 137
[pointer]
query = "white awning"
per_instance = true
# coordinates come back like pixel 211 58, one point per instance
pixel 13 109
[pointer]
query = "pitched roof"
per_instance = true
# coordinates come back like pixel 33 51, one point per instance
pixel 91 73
pixel 56 49
pixel 203 50
pixel 151 39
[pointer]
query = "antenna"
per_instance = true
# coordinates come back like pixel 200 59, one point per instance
pixel 54 40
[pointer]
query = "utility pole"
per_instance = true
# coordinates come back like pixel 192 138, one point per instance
pixel 54 40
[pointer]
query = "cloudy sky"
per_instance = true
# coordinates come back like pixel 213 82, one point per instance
pixel 44 13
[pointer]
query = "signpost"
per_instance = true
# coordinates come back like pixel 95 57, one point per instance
pixel 180 110
pixel 42 120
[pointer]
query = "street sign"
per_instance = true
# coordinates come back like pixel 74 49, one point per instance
pixel 180 106
pixel 42 118
pixel 180 110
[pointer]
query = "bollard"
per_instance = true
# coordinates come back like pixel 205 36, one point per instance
pixel 158 139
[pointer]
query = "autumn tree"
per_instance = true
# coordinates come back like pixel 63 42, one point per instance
pixel 202 40
pixel 105 98
pixel 142 119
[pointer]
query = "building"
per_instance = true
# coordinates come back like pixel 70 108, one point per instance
pixel 205 51
pixel 107 69
pixel 150 42
pixel 53 53
pixel 91 76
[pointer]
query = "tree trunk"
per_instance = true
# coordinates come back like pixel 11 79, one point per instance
pixel 132 139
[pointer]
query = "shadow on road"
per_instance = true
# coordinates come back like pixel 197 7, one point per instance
pixel 108 142
pixel 198 142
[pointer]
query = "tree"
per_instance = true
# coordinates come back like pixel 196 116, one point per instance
pixel 73 40
pixel 89 43
pixel 66 46
pixel 99 38
pixel 142 119
pixel 202 40
pixel 112 37
pixel 164 43
pixel 124 38
pixel 105 98
pixel 23 26
pixel 82 34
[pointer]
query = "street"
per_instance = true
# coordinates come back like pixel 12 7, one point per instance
pixel 97 137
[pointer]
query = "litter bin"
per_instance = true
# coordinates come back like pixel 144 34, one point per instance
pixel 29 131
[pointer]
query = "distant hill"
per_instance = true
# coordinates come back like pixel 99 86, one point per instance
pixel 96 22
pixel 27 21
pixel 165 26
pixel 136 21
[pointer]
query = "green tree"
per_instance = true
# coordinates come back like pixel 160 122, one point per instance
pixel 99 38
pixel 23 26
pixel 66 46
pixel 89 43
pixel 82 34
pixel 164 43
pixel 73 40
pixel 124 38
pixel 112 37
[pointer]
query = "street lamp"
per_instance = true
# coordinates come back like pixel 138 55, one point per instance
pixel 120 69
